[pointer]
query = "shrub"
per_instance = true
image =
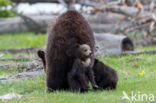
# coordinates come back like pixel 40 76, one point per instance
pixel 6 8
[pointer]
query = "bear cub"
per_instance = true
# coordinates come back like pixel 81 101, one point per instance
pixel 81 72
pixel 105 76
pixel 41 54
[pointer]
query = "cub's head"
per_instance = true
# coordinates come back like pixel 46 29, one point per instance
pixel 84 51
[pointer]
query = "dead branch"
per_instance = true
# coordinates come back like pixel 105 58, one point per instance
pixel 128 11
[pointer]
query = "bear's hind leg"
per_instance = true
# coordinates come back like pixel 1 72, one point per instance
pixel 74 85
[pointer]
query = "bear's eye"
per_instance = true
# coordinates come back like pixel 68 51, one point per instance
pixel 85 50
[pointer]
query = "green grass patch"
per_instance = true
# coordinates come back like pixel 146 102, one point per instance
pixel 23 40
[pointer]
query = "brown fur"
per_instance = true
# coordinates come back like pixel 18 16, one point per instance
pixel 41 54
pixel 105 76
pixel 70 29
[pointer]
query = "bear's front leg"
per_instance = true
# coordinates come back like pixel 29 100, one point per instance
pixel 90 75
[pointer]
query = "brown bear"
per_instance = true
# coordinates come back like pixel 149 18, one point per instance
pixel 81 72
pixel 105 76
pixel 69 29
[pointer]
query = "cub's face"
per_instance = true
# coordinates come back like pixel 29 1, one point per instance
pixel 84 51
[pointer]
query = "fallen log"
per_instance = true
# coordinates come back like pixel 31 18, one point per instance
pixel 111 44
pixel 18 25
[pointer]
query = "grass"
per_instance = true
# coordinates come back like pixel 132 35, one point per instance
pixel 23 40
pixel 127 67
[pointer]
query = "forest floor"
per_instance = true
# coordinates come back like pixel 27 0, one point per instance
pixel 139 88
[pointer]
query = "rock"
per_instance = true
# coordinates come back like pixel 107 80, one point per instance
pixel 10 96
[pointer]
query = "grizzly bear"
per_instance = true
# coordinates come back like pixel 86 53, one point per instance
pixel 69 29
pixel 81 72
pixel 105 76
